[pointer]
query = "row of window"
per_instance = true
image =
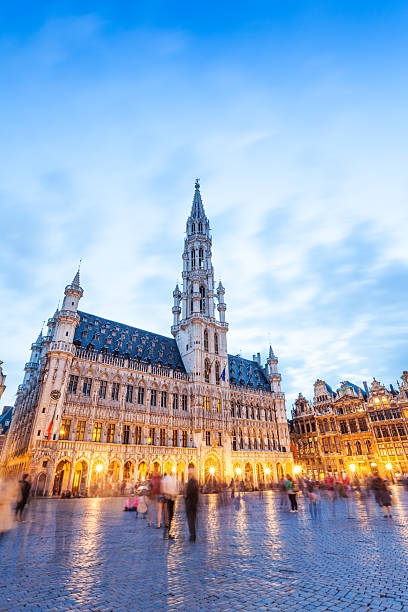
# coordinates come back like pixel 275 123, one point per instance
pixel 139 393
pixel 238 441
pixel 250 412
pixel 206 344
pixel 390 431
pixel 157 436
pixel 353 425
pixel 382 415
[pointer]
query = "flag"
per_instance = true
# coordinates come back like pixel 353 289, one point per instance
pixel 293 447
pixel 49 431
pixel 223 375
pixel 208 371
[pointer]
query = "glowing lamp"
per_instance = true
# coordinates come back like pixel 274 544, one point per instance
pixel 238 471
pixel 352 467
pixel 388 466
pixel 212 471
pixel 99 467
pixel 297 469
pixel 373 464
pixel 267 471
pixel 173 469
pixel 62 432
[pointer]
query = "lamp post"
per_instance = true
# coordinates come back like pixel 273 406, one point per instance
pixel 388 467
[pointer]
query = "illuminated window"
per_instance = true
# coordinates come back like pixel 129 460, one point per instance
pixel 64 430
pixel 207 403
pixel 80 431
pixel 96 435
pixel 111 433
pixel 152 435
pixel 138 434
pixel 218 405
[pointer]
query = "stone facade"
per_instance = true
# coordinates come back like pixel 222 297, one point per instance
pixel 102 402
pixel 357 430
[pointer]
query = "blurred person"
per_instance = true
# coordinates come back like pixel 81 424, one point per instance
pixel 291 490
pixel 151 501
pixel 312 495
pixel 283 494
pixel 22 497
pixel 348 495
pixel 191 496
pixel 7 495
pixel 382 494
pixel 168 490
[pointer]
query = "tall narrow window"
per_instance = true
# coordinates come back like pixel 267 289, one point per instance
pixel 207 403
pixel 162 437
pixel 241 440
pixel 138 434
pixel 175 401
pixel 219 439
pixel 234 440
pixel 200 257
pixel 205 340
pixel 115 391
pixel 202 299
pixel 129 393
pixel 73 384
pixel 86 389
pixel 239 414
pixel 126 434
pixel 200 228
pixel 208 438
pixel 65 427
pixel 96 435
pixel 163 401
pixel 153 397
pixel 102 389
pixel 80 432
pixel 152 436
pixel 217 373
pixel 216 344
pixel 111 433
pixel 207 370
pixel 140 395
pixel 184 439
pixel 218 405
pixel 233 409
pixel 184 401
pixel 193 259
pixel 175 437
pixel 193 228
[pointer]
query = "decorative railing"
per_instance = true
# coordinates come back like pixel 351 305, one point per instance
pixel 61 345
pixel 129 449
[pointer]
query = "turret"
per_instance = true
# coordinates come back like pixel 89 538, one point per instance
pixel 67 318
pixel 272 371
pixel 176 308
pixel 222 307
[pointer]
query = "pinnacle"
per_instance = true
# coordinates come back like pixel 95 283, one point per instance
pixel 271 353
pixel 197 210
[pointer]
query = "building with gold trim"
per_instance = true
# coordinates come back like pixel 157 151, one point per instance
pixel 102 402
pixel 354 430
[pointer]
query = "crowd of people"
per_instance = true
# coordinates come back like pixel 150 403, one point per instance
pixel 335 487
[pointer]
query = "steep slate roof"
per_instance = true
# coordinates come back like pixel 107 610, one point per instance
pixel 97 333
pixel 356 388
pixel 246 373
pixel 330 390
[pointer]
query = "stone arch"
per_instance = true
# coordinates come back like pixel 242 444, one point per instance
pixel 288 468
pixel 279 471
pixel 180 471
pixel 249 475
pixel 114 470
pixel 260 474
pixel 62 472
pixel 212 470
pixel 169 467
pixel 40 482
pixel 156 466
pixel 142 471
pixel 129 469
pixel 79 483
pixel 237 470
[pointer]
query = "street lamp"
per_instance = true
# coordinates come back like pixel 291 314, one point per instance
pixel 212 471
pixel 267 471
pixel 373 464
pixel 388 466
pixel 99 467
pixel 238 471
pixel 173 469
pixel 352 467
pixel 297 469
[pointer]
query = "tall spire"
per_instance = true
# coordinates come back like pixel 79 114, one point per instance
pixel 197 210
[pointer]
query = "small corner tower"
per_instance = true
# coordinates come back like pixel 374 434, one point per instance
pixel 272 371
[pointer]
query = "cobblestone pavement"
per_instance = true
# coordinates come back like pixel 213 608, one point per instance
pixel 87 554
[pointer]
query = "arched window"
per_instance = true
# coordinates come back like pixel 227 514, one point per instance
pixel 247 412
pixel 202 299
pixel 358 448
pixel 216 344
pixel 239 410
pixel 259 414
pixel 217 373
pixel 269 440
pixel 261 440
pixel 348 449
pixel 207 370
pixel 205 340
pixel 200 257
pixel 191 300
pixel 233 408
pixel 193 259
pixel 193 228
pixel 234 440
pixel 252 413
pixel 249 441
pixel 255 441
pixel 241 440
pixel 200 227
pixel 368 445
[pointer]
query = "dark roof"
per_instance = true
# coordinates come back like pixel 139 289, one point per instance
pixel 357 389
pixel 246 373
pixel 5 419
pixel 99 334
pixel 330 390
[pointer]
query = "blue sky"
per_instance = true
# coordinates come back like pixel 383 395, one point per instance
pixel 294 116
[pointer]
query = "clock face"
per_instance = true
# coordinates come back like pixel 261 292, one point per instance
pixel 55 394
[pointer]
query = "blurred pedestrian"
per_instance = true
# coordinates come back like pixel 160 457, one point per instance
pixel 290 488
pixel 382 494
pixel 7 496
pixel 169 491
pixel 22 498
pixel 191 496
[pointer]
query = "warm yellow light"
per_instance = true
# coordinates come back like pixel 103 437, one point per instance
pixel 297 469
pixel 99 467
pixel 352 467
pixel 373 464
pixel 267 471
pixel 212 471
pixel 388 466
pixel 173 469
pixel 62 432
pixel 238 471
pixel 149 440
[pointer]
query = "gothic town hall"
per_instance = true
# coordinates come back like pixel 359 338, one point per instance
pixel 103 402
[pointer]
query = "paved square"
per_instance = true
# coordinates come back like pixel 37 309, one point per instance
pixel 86 554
